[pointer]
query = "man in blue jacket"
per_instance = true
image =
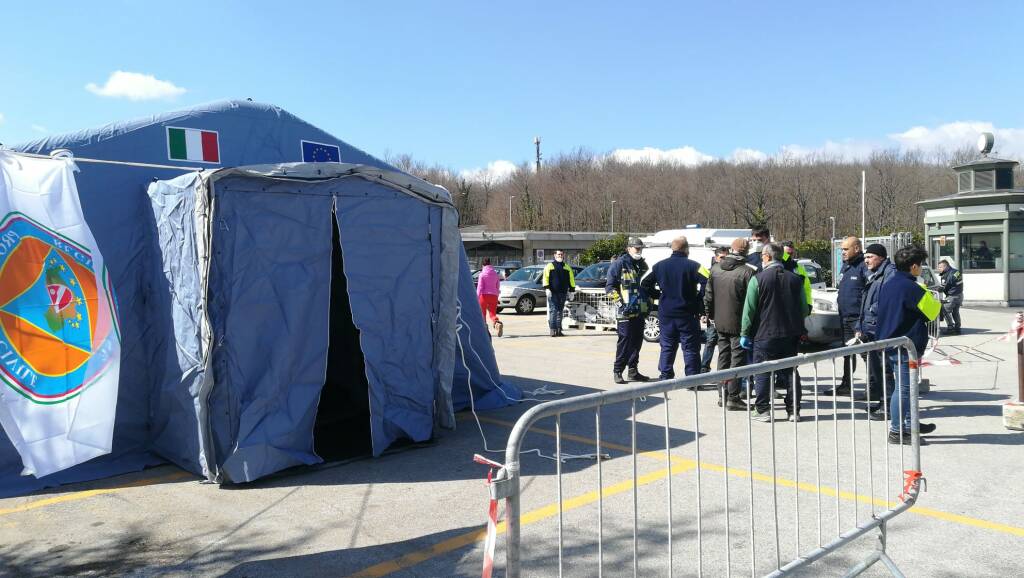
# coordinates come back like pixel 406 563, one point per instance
pixel 679 283
pixel 852 277
pixel 904 309
pixel 558 282
pixel 953 288
pixel 876 257
pixel 633 304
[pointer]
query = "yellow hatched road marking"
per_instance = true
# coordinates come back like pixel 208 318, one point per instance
pixel 75 496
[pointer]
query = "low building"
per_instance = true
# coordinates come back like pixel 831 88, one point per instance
pixel 980 228
pixel 525 247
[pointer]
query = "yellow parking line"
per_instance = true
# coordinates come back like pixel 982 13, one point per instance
pixel 75 496
pixel 551 510
pixel 803 486
pixel 681 465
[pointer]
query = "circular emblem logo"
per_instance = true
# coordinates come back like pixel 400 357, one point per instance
pixel 57 326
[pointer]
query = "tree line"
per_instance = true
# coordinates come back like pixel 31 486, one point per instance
pixel 795 196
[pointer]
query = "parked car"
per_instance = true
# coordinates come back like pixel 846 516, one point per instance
pixel 593 277
pixel 523 291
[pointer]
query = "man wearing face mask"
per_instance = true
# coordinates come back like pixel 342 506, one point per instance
pixel 559 283
pixel 623 286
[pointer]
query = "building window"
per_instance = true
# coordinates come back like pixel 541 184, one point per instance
pixel 1016 251
pixel 981 251
pixel 943 246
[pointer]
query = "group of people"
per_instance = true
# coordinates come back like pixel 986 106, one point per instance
pixel 757 304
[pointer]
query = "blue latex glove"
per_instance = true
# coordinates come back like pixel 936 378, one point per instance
pixel 745 343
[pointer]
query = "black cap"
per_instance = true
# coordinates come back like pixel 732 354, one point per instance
pixel 877 249
pixel 635 242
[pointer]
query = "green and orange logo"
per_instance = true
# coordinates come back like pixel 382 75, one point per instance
pixel 58 329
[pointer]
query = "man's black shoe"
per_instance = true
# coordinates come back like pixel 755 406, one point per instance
pixel 841 390
pixel 925 428
pixel 618 378
pixel 635 375
pixel 735 405
pixel 553 332
pixel 894 438
pixel 877 415
pixel 559 333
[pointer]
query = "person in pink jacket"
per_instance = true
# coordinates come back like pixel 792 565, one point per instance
pixel 487 289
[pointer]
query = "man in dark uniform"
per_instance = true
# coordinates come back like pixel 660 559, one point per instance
pixel 633 304
pixel 773 321
pixel 852 278
pixel 678 283
pixel 760 235
pixel 953 289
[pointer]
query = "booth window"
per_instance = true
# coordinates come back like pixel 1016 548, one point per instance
pixel 1016 251
pixel 981 251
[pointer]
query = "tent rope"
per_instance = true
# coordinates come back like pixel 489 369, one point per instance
pixel 66 154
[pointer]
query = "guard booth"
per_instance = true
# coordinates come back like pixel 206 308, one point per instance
pixel 980 228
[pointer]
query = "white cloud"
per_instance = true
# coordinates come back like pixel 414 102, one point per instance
pixel 135 86
pixel 742 155
pixel 496 171
pixel 954 135
pixel 39 128
pixel 686 156
pixel 1 118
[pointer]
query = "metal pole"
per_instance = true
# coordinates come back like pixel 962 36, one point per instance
pixel 1020 357
pixel 510 197
pixel 536 142
pixel 613 218
pixel 863 210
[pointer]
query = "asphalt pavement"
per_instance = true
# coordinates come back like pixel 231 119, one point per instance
pixel 421 511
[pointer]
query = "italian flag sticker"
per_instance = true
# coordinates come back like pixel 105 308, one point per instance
pixel 192 144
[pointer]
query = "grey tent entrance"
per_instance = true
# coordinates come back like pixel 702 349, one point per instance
pixel 306 308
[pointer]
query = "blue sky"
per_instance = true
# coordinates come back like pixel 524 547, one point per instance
pixel 465 84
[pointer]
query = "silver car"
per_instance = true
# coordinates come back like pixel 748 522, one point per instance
pixel 523 291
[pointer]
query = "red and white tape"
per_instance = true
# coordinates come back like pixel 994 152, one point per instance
pixel 492 518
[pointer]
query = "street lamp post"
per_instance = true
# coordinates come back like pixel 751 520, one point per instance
pixel 510 197
pixel 832 251
pixel 833 219
pixel 613 217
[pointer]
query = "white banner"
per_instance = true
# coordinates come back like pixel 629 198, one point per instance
pixel 60 346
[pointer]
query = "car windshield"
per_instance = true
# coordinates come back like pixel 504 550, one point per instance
pixel 813 274
pixel 595 271
pixel 928 277
pixel 522 274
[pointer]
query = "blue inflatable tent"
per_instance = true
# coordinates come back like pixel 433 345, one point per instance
pixel 283 296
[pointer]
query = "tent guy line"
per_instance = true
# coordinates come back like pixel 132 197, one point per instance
pixel 59 153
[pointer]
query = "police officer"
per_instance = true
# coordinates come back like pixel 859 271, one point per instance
pixel 852 278
pixel 881 269
pixel 953 289
pixel 679 283
pixel 558 282
pixel 633 304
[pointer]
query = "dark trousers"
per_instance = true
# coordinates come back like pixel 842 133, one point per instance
pixel 850 361
pixel 951 311
pixel 875 377
pixel 710 342
pixel 676 332
pixel 730 356
pixel 627 349
pixel 556 306
pixel 768 350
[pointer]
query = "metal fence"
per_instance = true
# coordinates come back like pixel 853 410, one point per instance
pixel 829 454
pixel 591 308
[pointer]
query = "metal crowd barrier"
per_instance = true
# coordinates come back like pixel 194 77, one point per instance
pixel 825 537
pixel 591 308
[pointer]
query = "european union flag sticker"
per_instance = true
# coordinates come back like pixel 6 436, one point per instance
pixel 315 152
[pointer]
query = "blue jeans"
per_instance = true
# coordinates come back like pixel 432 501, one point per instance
pixel 676 331
pixel 556 306
pixel 710 343
pixel 899 363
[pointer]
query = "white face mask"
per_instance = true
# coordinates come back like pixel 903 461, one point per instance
pixel 636 256
pixel 559 258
